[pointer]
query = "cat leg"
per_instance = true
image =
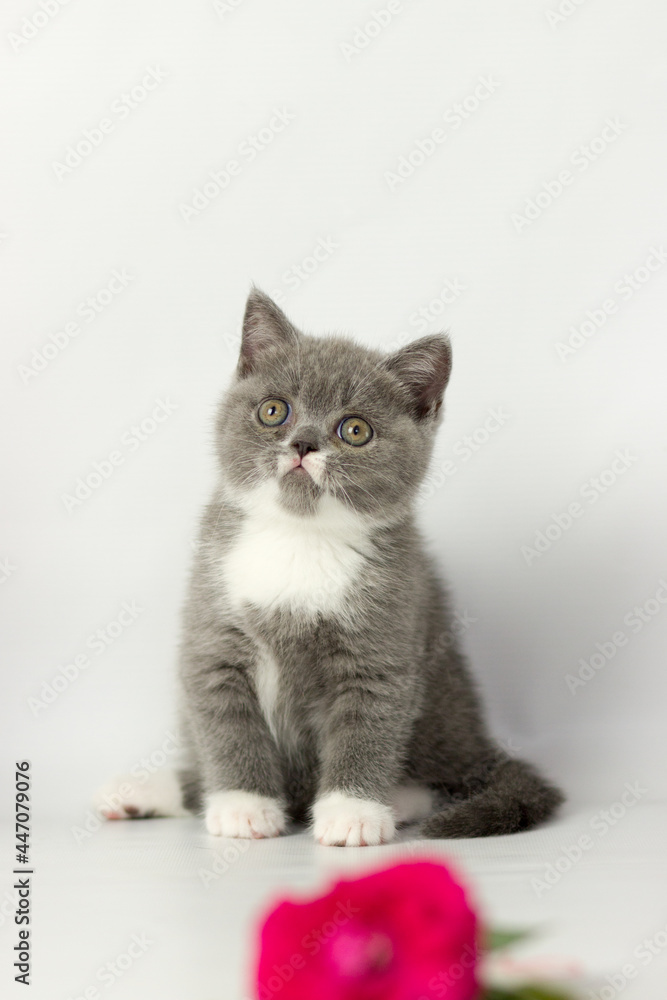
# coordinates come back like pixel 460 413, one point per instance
pixel 360 763
pixel 239 762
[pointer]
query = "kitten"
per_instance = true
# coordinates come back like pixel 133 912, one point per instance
pixel 319 676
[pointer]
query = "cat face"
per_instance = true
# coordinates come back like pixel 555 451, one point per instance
pixel 320 417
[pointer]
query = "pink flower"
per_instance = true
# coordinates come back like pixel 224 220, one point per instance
pixel 405 933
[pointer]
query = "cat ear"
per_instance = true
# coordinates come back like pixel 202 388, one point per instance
pixel 264 326
pixel 423 369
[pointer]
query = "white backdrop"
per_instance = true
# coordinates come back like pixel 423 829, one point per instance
pixel 386 169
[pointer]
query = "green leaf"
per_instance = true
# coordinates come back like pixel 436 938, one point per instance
pixel 537 992
pixel 495 993
pixel 496 939
pixel 525 992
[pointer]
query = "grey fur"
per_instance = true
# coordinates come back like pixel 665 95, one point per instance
pixel 383 696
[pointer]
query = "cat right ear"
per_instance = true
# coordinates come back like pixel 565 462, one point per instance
pixel 265 326
pixel 423 368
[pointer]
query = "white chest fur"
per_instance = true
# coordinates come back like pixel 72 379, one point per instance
pixel 267 683
pixel 307 564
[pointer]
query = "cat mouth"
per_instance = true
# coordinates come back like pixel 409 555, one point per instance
pixel 298 469
pixel 301 473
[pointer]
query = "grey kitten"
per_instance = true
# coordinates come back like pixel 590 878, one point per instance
pixel 319 676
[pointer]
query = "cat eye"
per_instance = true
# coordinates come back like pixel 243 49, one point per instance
pixel 273 412
pixel 355 431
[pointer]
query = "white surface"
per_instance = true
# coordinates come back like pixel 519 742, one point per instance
pixel 198 900
pixel 91 591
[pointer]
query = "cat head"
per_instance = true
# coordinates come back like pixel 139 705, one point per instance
pixel 309 418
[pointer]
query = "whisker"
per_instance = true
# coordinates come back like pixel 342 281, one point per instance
pixel 358 487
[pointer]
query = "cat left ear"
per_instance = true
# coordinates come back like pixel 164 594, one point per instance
pixel 265 326
pixel 423 369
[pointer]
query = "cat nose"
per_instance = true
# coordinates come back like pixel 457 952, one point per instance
pixel 304 443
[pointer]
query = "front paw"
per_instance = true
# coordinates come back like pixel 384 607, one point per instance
pixel 341 820
pixel 244 814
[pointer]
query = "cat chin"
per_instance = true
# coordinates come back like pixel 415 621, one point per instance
pixel 299 494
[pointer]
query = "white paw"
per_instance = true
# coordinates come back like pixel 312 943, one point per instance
pixel 344 821
pixel 243 814
pixel 128 797
pixel 411 803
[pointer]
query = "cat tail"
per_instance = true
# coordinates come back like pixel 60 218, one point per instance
pixel 515 798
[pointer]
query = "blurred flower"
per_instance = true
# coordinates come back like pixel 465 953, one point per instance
pixel 403 933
